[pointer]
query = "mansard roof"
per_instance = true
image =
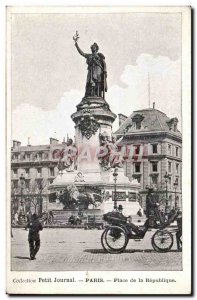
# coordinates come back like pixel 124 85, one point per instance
pixel 152 120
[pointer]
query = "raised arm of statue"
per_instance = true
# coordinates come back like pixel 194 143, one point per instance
pixel 80 51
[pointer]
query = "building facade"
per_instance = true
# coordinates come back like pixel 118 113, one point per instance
pixel 36 167
pixel 153 153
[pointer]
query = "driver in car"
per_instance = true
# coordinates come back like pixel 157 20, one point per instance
pixel 134 228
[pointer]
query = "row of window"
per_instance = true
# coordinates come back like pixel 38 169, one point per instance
pixel 154 149
pixel 170 183
pixel 136 150
pixel 170 166
pixel 27 183
pixel 137 167
pixel 154 181
pixel 137 124
pixel 170 150
pixel 30 156
pixel 154 167
pixel 41 155
pixel 38 170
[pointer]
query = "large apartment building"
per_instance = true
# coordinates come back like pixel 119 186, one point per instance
pixel 155 147
pixel 36 164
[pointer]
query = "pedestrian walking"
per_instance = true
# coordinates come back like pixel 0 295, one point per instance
pixel 34 237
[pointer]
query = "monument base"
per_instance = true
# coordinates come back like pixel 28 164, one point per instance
pixel 102 183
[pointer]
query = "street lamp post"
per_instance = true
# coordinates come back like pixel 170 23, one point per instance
pixel 40 188
pixel 166 177
pixel 175 187
pixel 115 175
pixel 22 185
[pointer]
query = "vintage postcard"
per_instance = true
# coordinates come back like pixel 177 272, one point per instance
pixel 99 150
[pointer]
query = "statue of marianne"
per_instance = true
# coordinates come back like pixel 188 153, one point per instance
pixel 96 84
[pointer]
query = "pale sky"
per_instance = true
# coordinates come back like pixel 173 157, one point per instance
pixel 48 74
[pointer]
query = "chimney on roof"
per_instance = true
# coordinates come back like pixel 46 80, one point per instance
pixel 153 105
pixel 28 141
pixel 16 144
pixel 53 141
pixel 121 118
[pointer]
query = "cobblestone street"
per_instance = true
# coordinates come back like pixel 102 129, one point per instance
pixel 78 249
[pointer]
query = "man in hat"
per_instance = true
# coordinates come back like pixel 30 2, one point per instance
pixel 120 208
pixel 150 204
pixel 34 237
pixel 120 214
pixel 134 228
pixel 152 211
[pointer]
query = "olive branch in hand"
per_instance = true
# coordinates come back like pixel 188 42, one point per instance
pixel 76 37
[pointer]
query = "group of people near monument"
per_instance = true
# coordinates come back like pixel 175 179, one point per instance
pixel 153 214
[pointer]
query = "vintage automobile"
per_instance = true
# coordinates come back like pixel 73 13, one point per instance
pixel 119 231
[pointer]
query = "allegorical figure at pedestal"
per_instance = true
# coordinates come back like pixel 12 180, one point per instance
pixel 96 84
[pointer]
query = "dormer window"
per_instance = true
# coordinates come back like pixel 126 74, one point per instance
pixel 40 155
pixel 138 125
pixel 137 121
pixel 172 123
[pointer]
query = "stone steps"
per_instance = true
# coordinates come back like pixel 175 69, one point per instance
pixel 63 215
pixel 93 215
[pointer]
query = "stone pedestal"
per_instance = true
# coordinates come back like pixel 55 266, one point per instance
pixel 92 119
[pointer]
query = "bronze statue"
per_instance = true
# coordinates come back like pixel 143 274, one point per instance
pixel 67 157
pixel 113 156
pixel 96 84
pixel 71 198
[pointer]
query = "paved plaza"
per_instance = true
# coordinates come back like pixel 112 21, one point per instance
pixel 66 249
